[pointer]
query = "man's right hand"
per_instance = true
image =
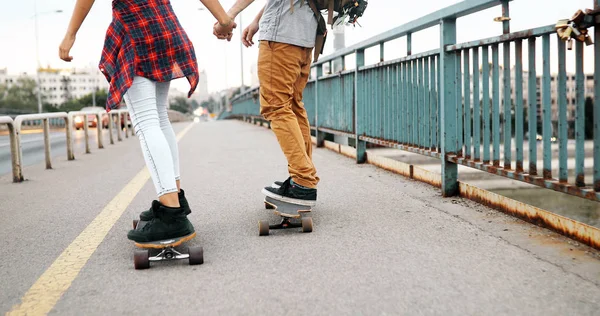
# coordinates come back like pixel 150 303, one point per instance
pixel 248 34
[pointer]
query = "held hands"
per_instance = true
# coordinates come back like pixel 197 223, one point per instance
pixel 224 31
pixel 248 34
pixel 65 48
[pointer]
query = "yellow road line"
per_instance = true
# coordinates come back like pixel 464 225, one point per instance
pixel 56 280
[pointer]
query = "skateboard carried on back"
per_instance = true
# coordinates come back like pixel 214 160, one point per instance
pixel 166 248
pixel 292 216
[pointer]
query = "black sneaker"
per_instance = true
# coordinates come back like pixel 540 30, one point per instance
pixel 278 184
pixel 292 193
pixel 167 223
pixel 147 215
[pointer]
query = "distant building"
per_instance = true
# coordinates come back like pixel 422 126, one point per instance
pixel 8 79
pixel 570 92
pixel 201 94
pixel 61 85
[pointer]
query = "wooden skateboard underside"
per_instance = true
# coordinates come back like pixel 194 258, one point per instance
pixel 174 242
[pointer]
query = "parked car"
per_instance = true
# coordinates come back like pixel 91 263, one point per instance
pixel 92 119
pixel 123 122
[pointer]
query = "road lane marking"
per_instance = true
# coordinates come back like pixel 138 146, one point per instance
pixel 56 280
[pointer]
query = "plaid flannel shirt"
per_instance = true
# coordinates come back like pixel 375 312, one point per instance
pixel 145 39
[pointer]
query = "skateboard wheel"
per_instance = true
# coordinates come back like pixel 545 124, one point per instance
pixel 263 228
pixel 269 206
pixel 196 255
pixel 307 225
pixel 141 259
pixel 135 223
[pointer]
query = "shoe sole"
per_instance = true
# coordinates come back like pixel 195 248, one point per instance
pixel 275 186
pixel 157 245
pixel 287 199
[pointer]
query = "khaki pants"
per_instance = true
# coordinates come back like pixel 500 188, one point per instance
pixel 283 72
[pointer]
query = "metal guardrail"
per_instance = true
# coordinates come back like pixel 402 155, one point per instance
pixel 15 126
pixel 18 176
pixel 435 104
pixel 85 114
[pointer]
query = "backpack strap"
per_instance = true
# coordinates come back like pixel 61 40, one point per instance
pixel 330 12
pixel 321 31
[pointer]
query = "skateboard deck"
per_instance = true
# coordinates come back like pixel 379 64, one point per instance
pixel 167 251
pixel 292 216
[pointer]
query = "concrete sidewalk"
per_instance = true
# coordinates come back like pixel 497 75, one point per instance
pixel 382 244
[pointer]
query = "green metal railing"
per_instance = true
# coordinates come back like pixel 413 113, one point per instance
pixel 449 104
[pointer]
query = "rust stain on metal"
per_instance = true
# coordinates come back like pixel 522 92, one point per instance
pixel 392 165
pixel 426 176
pixel 597 186
pixel 573 229
pixel 519 166
pixel 580 180
pixel 547 174
pixel 496 163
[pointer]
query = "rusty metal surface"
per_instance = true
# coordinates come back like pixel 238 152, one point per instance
pixel 392 165
pixel 341 149
pixel 427 176
pixel 573 229
pixel 551 184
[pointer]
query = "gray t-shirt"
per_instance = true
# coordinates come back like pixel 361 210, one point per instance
pixel 280 24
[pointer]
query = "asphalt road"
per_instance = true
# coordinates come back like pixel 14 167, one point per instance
pixel 382 244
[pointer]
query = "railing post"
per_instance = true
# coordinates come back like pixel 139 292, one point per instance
pixel 69 136
pixel 448 107
pixel 86 121
pixel 596 112
pixel 99 128
pixel 320 135
pixel 110 127
pixel 361 145
pixel 119 128
pixel 46 124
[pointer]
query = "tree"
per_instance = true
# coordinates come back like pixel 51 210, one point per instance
pixel 211 104
pixel 180 104
pixel 85 101
pixel 21 96
pixel 195 104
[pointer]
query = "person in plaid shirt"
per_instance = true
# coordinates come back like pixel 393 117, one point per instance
pixel 144 49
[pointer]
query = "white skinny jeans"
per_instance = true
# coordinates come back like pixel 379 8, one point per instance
pixel 147 105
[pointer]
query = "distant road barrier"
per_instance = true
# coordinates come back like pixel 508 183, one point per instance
pixel 15 126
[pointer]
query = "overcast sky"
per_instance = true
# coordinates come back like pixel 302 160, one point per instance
pixel 221 59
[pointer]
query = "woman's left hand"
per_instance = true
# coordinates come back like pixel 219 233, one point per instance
pixel 65 48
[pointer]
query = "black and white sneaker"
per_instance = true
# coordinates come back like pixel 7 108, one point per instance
pixel 292 193
pixel 278 184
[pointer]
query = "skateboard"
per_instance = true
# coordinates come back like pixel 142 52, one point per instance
pixel 167 251
pixel 292 216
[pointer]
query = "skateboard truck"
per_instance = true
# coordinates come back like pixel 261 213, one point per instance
pixel 142 258
pixel 292 216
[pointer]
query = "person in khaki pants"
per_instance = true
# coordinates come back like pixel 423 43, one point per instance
pixel 287 37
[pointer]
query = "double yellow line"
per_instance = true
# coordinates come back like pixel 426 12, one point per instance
pixel 56 280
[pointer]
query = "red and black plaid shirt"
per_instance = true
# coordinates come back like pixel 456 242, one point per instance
pixel 145 39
